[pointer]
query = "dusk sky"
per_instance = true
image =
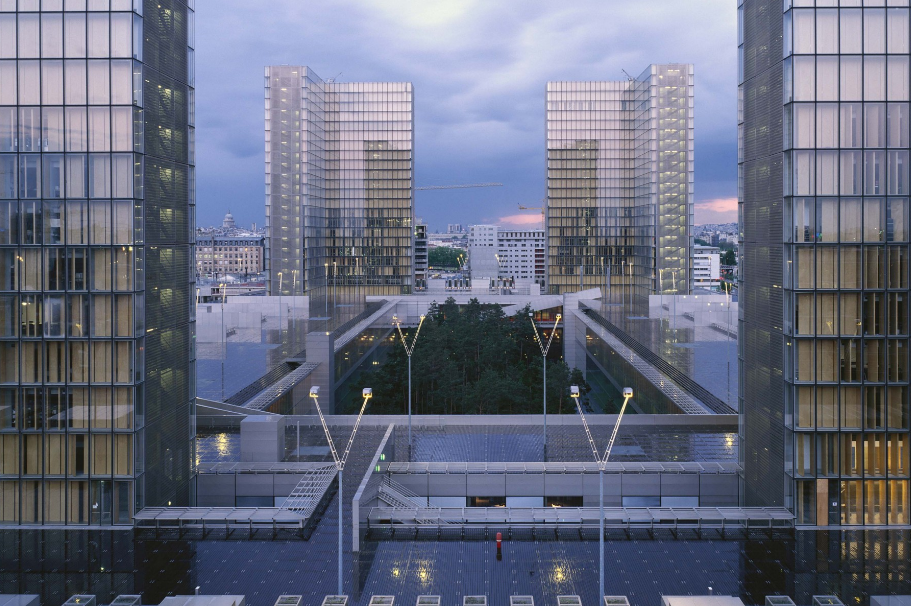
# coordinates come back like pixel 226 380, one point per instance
pixel 479 70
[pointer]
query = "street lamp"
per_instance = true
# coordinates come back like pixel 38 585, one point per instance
pixel 408 350
pixel 544 350
pixel 602 462
pixel 340 463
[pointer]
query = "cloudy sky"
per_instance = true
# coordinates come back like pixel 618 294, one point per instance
pixel 479 68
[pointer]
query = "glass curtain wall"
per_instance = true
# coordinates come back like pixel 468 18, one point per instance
pixel 85 351
pixel 340 180
pixel 620 184
pixel 845 128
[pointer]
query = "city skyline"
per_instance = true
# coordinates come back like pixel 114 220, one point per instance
pixel 479 116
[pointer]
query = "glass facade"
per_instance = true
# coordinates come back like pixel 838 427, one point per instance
pixel 833 90
pixel 620 184
pixel 96 182
pixel 339 183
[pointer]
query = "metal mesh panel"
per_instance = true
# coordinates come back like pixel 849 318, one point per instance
pixel 761 341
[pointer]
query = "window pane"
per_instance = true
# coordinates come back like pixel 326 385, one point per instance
pixel 99 129
pixel 76 176
pixel 99 176
pixel 74 35
pixel 827 80
pixel 827 31
pixel 121 35
pixel 52 82
pixel 29 83
pixel 8 83
pixel 874 78
pixel 121 82
pixel 898 78
pixel 51 36
pixel 98 35
pixel 804 31
pixel 851 78
pixel 804 79
pixel 827 125
pixel 99 83
pixel 52 128
pixel 874 30
pixel 29 36
pixel 851 171
pixel 897 220
pixel 851 31
pixel 804 125
pixel 74 93
pixel 7 36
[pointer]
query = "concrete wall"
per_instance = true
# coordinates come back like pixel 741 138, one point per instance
pixel 223 489
pixel 262 438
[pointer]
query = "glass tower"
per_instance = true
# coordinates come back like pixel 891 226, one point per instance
pixel 824 185
pixel 96 217
pixel 339 185
pixel 620 184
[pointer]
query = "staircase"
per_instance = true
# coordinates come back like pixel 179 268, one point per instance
pixel 310 490
pixel 395 495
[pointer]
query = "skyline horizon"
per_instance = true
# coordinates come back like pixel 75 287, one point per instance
pixel 479 73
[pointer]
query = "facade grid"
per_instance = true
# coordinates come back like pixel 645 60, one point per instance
pixel 620 184
pixel 96 220
pixel 838 433
pixel 339 182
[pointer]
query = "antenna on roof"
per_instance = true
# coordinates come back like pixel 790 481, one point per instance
pixel 628 77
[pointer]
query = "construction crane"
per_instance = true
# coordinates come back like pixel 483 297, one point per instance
pixel 541 208
pixel 464 186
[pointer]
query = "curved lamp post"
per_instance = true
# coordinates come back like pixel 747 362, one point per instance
pixel 409 349
pixel 340 463
pixel 602 462
pixel 544 350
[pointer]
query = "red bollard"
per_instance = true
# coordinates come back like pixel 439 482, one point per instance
pixel 499 545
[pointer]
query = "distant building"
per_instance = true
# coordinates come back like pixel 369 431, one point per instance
pixel 339 185
pixel 421 260
pixel 620 183
pixel 494 252
pixel 228 222
pixel 455 228
pixel 706 267
pixel 218 255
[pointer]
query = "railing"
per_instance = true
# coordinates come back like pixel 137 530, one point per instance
pixel 711 401
pixel 702 518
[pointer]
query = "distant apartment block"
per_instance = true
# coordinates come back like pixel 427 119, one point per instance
pixel 706 267
pixel 218 255
pixel 494 252
pixel 339 185
pixel 620 183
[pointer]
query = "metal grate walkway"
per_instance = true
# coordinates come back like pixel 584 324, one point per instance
pixel 310 490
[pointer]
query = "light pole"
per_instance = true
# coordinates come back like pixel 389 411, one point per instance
pixel 408 350
pixel 327 292
pixel 544 350
pixel 602 462
pixel 340 464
